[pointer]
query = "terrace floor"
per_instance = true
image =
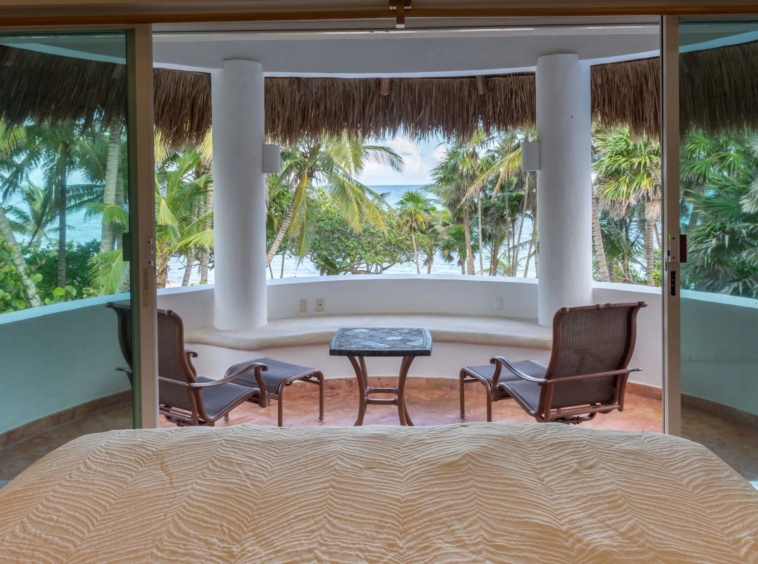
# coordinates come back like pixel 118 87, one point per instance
pixel 428 403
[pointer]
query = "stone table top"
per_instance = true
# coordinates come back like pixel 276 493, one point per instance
pixel 381 341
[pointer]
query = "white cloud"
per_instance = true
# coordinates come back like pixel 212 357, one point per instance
pixel 439 153
pixel 418 157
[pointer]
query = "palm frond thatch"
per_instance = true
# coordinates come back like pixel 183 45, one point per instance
pixel 55 89
pixel 628 93
pixel 450 107
pixel 719 92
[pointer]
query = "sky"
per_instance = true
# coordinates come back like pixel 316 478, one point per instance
pixel 419 159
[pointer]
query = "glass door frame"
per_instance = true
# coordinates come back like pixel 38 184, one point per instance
pixel 142 223
pixel 141 190
pixel 672 387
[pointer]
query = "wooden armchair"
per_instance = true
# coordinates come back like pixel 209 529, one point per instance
pixel 184 397
pixel 587 373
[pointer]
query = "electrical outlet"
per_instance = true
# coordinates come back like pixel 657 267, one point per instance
pixel 320 304
pixel 303 306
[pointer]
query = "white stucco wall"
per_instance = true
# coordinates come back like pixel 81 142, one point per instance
pixel 398 294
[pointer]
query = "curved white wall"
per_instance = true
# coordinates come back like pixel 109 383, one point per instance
pixel 409 294
pixel 56 357
pixel 719 352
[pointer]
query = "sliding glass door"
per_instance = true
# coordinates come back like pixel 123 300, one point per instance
pixel 66 225
pixel 718 193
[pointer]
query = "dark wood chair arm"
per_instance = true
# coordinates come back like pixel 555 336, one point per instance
pixel 504 362
pixel 622 372
pixel 227 379
pixel 190 354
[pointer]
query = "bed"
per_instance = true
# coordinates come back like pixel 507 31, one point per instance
pixel 458 493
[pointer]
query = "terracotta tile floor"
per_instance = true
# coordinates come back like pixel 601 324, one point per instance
pixel 426 407
pixel 736 445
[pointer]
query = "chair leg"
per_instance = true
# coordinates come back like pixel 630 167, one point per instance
pixel 489 404
pixel 280 415
pixel 320 396
pixel 226 417
pixel 463 396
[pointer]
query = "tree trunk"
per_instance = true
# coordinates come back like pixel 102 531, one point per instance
pixel 124 283
pixel 280 234
pixel 120 197
pixel 657 235
pixel 62 206
pixel 18 260
pixel 611 270
pixel 429 262
pixel 650 250
pixel 111 181
pixel 495 256
pixel 528 257
pixel 415 252
pixel 204 267
pixel 162 271
pixel 694 217
pixel 481 235
pixel 205 254
pixel 467 232
pixel 188 269
pixel 597 243
pixel 521 227
pixel 531 247
pixel 281 270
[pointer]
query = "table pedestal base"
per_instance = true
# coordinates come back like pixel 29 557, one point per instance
pixel 364 391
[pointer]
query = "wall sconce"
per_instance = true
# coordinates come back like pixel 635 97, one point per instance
pixel 272 159
pixel 530 155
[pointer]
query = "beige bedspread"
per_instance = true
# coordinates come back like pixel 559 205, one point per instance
pixel 461 493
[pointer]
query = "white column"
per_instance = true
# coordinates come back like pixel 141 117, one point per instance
pixel 564 184
pixel 239 202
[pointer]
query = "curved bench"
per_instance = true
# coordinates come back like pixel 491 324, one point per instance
pixel 312 330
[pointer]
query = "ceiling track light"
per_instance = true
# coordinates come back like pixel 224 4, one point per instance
pixel 400 7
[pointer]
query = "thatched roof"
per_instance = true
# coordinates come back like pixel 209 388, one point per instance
pixel 51 88
pixel 719 90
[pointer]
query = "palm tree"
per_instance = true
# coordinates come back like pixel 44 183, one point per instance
pixel 415 214
pixel 333 162
pixel 597 239
pixel 628 176
pixel 454 245
pixel 502 166
pixel 113 166
pixel 278 200
pixel 704 157
pixel 179 193
pixel 58 151
pixel 33 216
pixel 723 199
pixel 179 227
pixel 453 177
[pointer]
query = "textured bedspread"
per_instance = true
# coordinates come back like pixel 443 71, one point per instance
pixel 461 493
